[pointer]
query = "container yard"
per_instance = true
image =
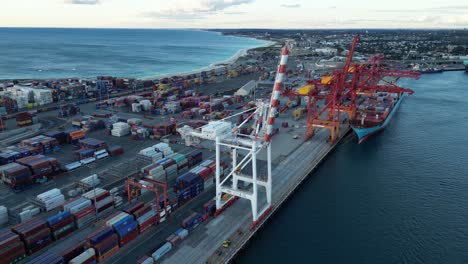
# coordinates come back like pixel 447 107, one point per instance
pixel 172 173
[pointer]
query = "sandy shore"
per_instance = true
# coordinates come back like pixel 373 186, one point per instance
pixel 226 63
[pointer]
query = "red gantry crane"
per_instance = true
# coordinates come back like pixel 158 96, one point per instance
pixel 339 91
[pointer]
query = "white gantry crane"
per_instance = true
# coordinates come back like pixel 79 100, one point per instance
pixel 249 145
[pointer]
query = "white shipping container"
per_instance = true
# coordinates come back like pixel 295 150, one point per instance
pixel 104 202
pixel 55 202
pixel 91 181
pixel 149 260
pixel 83 257
pixel 95 192
pixel 48 195
pixel 158 254
pixel 25 215
pixel 115 219
pixel 79 207
pixel 216 128
pixel 3 215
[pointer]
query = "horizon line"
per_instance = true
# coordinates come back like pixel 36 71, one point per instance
pixel 246 28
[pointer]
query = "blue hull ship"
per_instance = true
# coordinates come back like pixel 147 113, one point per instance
pixel 365 133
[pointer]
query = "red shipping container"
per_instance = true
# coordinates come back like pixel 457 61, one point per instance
pixel 108 254
pixel 146 225
pixel 73 252
pixel 133 208
pixel 107 206
pixel 29 227
pixel 37 236
pixel 101 197
pixel 142 211
pixel 13 255
pixel 85 212
pixel 62 223
pixel 105 244
pixel 8 237
pixel 129 237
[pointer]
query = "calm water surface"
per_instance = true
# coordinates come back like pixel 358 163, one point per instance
pixel 400 197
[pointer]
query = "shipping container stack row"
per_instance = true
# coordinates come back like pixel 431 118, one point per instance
pixel 30 170
pixel 90 144
pixel 195 181
pixel 68 110
pixel 91 153
pixel 25 118
pixel 116 231
pixel 50 200
pixel 41 144
pixel 189 225
pixel 28 147
pixel 35 234
pixel 69 136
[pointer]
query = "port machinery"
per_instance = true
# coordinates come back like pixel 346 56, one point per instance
pixel 247 145
pixel 339 91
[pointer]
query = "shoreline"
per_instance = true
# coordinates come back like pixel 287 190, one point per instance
pixel 224 63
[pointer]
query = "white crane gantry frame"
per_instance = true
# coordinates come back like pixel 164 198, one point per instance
pixel 258 140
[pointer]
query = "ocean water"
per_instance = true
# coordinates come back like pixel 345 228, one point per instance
pixel 138 53
pixel 400 197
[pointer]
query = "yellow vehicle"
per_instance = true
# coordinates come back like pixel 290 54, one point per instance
pixel 226 243
pixel 225 197
pixel 306 89
pixel 298 113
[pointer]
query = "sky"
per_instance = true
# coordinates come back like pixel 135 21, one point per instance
pixel 297 14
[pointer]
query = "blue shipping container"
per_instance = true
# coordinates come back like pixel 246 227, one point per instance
pixel 123 222
pixel 194 222
pixel 123 231
pixel 58 218
pixel 105 233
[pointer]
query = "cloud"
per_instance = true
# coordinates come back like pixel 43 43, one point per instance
pixel 291 5
pixel 234 13
pixel 83 2
pixel 440 9
pixel 195 9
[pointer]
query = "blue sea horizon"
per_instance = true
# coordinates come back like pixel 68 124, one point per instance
pixel 49 53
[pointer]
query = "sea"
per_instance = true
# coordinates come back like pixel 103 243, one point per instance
pixel 400 197
pixel 41 53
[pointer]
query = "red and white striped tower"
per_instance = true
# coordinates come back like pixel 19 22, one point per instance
pixel 245 170
pixel 276 93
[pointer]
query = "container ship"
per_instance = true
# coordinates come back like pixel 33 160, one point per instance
pixel 374 113
pixel 431 70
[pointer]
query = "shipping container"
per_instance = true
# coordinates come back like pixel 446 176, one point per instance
pixel 182 233
pixel 72 252
pixel 192 222
pixel 47 257
pixel 132 207
pixel 100 235
pixel 86 257
pixel 160 252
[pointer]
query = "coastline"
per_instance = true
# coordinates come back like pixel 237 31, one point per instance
pixel 229 62
pixel 225 63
